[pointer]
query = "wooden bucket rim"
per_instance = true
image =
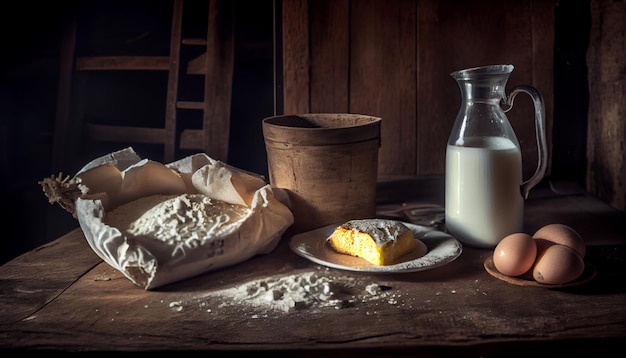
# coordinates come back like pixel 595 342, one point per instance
pixel 321 128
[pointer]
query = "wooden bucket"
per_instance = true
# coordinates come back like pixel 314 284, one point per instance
pixel 327 163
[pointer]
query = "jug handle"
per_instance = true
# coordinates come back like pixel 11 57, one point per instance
pixel 540 133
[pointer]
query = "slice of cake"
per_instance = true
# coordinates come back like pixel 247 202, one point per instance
pixel 379 241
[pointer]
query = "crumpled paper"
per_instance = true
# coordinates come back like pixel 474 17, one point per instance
pixel 153 263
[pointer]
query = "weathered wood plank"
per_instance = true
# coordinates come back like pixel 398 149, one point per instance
pixel 454 35
pixel 542 18
pixel 218 84
pixel 296 57
pixel 606 152
pixel 400 56
pixel 330 56
pixel 382 77
pixel 31 281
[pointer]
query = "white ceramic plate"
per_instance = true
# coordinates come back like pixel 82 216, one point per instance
pixel 441 249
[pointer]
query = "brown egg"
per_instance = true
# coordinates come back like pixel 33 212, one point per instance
pixel 558 264
pixel 515 254
pixel 559 234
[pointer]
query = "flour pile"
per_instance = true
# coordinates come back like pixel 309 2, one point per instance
pixel 307 290
pixel 284 293
pixel 187 219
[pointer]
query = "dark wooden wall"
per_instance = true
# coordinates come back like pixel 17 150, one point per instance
pixel 393 58
pixel 606 139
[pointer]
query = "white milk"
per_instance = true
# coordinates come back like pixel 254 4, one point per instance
pixel 483 199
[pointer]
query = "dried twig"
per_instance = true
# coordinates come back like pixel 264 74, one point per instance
pixel 63 191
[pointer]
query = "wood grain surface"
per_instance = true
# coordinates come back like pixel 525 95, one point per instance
pixel 62 297
pixel 393 59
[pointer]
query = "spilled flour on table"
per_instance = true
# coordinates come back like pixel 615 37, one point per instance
pixel 307 290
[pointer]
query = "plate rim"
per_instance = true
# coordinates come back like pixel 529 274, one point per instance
pixel 421 230
pixel 588 274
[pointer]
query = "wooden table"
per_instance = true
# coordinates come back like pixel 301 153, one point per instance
pixel 61 296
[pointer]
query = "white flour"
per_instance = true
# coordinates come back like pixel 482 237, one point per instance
pixel 312 291
pixel 307 290
pixel 192 218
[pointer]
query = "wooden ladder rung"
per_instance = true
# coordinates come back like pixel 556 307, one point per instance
pixel 123 63
pixel 194 42
pixel 190 105
pixel 126 134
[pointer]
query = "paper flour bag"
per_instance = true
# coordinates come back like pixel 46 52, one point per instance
pixel 159 224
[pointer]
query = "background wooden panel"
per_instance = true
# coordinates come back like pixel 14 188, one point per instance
pixel 461 34
pixel 295 59
pixel 401 54
pixel 330 56
pixel 382 76
pixel 606 152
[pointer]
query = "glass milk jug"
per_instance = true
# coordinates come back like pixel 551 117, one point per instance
pixel 485 191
